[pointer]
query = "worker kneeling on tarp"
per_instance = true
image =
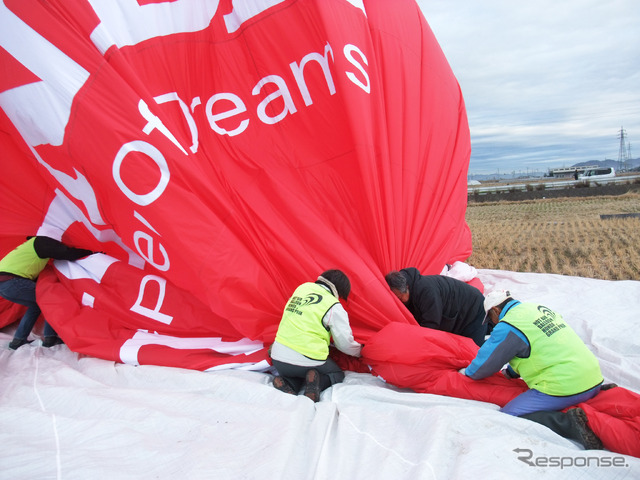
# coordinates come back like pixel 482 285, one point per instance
pixel 548 355
pixel 313 315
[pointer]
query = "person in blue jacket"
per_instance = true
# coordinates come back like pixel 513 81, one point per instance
pixel 548 355
pixel 19 270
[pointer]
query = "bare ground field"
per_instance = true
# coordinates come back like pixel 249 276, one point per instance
pixel 564 235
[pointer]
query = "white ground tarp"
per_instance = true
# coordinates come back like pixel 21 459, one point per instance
pixel 64 416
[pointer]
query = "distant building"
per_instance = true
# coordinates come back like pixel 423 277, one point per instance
pixel 570 171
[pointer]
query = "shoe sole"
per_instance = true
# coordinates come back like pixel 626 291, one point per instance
pixel 589 439
pixel 280 384
pixel 312 385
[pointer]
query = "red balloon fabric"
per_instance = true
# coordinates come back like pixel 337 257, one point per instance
pixel 220 154
pixel 427 361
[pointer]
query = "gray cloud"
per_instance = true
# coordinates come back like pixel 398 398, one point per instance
pixel 545 83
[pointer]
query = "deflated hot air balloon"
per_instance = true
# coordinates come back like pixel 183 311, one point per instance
pixel 220 153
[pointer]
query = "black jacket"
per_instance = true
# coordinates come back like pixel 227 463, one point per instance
pixel 443 303
pixel 47 247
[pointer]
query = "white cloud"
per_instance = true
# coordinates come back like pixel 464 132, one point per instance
pixel 560 78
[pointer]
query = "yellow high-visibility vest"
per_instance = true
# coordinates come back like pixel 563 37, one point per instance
pixel 301 327
pixel 24 261
pixel 560 363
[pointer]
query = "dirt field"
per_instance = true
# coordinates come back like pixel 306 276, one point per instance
pixel 587 232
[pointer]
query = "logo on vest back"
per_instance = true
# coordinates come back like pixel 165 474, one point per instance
pixel 295 302
pixel 311 299
pixel 547 322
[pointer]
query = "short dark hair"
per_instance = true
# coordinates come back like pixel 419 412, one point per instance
pixel 339 280
pixel 397 281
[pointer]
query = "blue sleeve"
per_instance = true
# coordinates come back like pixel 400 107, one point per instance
pixel 504 343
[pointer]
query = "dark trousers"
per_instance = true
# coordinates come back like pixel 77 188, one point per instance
pixel 23 291
pixel 559 422
pixel 294 375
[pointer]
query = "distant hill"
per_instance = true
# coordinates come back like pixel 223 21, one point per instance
pixel 633 163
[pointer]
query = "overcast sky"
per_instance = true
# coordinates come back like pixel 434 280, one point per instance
pixel 546 83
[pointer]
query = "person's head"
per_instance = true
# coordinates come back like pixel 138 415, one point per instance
pixel 398 284
pixel 337 282
pixel 494 302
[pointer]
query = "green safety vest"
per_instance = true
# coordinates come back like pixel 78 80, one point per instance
pixel 24 261
pixel 301 327
pixel 559 364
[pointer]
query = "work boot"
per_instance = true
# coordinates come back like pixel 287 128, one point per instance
pixel 588 438
pixel 312 385
pixel 282 385
pixel 18 342
pixel 51 340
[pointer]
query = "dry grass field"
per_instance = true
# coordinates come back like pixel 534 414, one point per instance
pixel 562 235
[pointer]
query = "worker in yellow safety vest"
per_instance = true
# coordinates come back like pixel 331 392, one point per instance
pixel 19 270
pixel 311 318
pixel 543 350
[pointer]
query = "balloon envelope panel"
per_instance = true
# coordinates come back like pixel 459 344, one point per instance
pixel 221 156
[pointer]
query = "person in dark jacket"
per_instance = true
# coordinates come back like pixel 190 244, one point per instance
pixel 440 302
pixel 19 270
